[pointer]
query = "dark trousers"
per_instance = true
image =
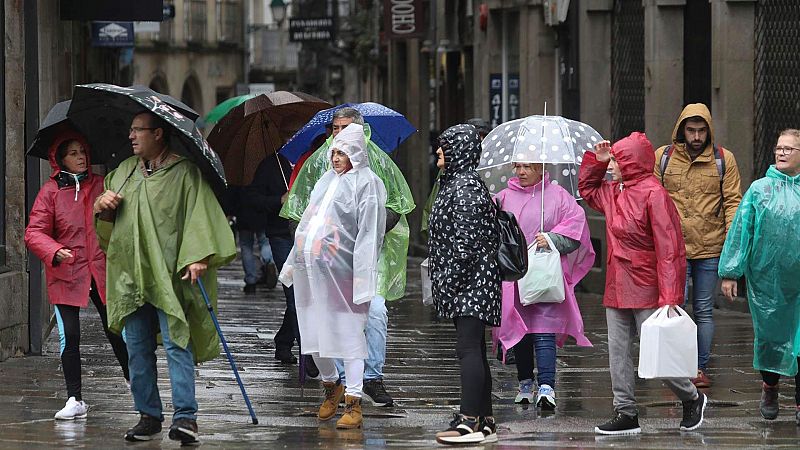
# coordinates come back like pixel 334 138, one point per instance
pixel 545 345
pixel 69 330
pixel 289 333
pixel 772 378
pixel 476 379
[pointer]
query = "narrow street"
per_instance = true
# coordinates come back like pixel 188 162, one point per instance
pixel 421 375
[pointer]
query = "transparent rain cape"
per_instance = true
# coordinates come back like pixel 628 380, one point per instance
pixel 394 253
pixel 763 245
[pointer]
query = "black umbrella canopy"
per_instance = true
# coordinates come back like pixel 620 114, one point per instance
pixel 55 122
pixel 103 112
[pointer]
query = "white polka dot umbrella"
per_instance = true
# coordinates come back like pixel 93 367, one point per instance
pixel 552 140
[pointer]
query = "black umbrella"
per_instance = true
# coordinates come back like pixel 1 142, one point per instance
pixel 55 123
pixel 103 112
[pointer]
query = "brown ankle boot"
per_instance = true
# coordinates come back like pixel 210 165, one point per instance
pixel 352 413
pixel 333 395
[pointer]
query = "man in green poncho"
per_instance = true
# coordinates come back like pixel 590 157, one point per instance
pixel 393 258
pixel 162 229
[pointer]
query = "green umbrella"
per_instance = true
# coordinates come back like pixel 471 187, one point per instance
pixel 223 108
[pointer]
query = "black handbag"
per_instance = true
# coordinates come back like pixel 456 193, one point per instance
pixel 512 255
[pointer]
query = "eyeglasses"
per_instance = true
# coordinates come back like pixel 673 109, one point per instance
pixel 138 130
pixel 785 151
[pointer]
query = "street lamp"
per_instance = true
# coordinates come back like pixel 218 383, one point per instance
pixel 278 8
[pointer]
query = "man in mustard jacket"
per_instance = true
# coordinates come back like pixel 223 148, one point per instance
pixel 703 180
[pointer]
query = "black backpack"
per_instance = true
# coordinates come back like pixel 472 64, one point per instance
pixel 719 159
pixel 512 255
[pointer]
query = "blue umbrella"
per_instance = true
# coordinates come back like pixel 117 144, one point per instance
pixel 389 128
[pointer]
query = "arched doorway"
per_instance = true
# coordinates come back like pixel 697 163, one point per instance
pixel 191 94
pixel 159 84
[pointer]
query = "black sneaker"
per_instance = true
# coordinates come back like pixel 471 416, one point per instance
pixel 184 430
pixel 620 424
pixel 375 391
pixel 147 429
pixel 463 430
pixel 769 402
pixel 249 288
pixel 489 430
pixel 693 412
pixel 311 368
pixel 285 356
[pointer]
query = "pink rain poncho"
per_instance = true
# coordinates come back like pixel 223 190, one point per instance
pixel 564 216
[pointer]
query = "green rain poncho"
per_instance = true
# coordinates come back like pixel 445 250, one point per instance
pixel 393 258
pixel 164 223
pixel 763 245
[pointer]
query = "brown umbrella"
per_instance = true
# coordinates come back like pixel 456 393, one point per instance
pixel 259 127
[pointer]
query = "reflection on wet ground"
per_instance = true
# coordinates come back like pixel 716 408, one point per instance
pixel 421 375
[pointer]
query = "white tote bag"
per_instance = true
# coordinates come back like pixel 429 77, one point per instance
pixel 668 345
pixel 427 290
pixel 544 280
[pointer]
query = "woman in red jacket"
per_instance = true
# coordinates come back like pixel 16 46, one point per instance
pixel 61 233
pixel 645 267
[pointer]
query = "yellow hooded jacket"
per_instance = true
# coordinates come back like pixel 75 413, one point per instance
pixel 694 187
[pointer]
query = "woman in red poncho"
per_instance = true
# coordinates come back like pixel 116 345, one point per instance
pixel 61 233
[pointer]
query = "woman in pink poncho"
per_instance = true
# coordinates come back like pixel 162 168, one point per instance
pixel 544 325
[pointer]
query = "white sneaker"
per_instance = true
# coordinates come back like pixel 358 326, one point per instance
pixel 73 410
pixel 546 397
pixel 525 394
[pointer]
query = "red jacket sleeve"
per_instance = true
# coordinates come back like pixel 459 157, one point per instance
pixel 670 248
pixel 591 182
pixel 41 227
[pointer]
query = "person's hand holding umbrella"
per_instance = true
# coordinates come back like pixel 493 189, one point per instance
pixel 106 205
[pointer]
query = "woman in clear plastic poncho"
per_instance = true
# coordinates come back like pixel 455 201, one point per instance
pixel 334 269
pixel 763 245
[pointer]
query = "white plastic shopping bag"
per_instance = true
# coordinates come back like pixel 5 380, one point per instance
pixel 668 345
pixel 427 289
pixel 544 280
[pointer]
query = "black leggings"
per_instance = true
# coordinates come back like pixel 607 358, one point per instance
pixel 476 379
pixel 772 378
pixel 69 328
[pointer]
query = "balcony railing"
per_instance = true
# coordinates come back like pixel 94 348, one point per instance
pixel 273 51
pixel 229 21
pixel 195 20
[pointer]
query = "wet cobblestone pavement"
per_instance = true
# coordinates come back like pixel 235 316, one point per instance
pixel 421 374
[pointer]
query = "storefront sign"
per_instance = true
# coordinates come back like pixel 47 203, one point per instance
pixel 311 29
pixel 403 19
pixel 496 98
pixel 112 34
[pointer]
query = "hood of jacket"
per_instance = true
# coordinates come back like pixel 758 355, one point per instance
pixel 776 174
pixel 635 157
pixel 461 145
pixel 353 143
pixel 692 110
pixel 58 140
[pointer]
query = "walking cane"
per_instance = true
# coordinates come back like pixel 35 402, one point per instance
pixel 227 352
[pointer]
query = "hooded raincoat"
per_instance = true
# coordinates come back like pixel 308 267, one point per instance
pixel 763 245
pixel 394 253
pixel 564 216
pixel 165 222
pixel 694 186
pixel 646 263
pixel 62 217
pixel 464 240
pixel 334 262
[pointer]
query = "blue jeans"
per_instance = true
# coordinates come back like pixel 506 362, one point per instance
pixel 249 263
pixel 545 347
pixel 376 331
pixel 289 331
pixel 703 273
pixel 141 328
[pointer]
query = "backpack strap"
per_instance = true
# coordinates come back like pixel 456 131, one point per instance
pixel 665 160
pixel 719 160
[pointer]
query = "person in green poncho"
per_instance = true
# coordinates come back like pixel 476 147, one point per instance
pixel 162 229
pixel 763 245
pixel 393 258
